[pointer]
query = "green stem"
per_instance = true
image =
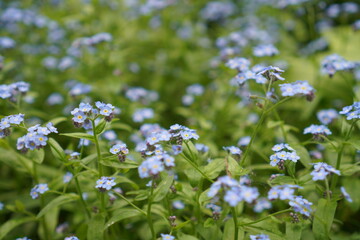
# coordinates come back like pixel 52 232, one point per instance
pixel 82 201
pixel 339 156
pixel 281 125
pixel 130 203
pixel 236 228
pixel 100 168
pixel 197 168
pixel 264 218
pixel 327 188
pixel 262 117
pixel 97 149
pixel 43 220
pixel 149 218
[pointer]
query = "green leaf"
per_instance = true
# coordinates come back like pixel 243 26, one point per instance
pixel 115 163
pixel 183 236
pixel 56 149
pixel 121 126
pixel 96 227
pixel 13 223
pixel 323 219
pixel 349 169
pixel 304 155
pixel 79 135
pixel 122 214
pixel 235 169
pixel 37 155
pixel 293 231
pixel 58 120
pixel 57 202
pixel 214 168
pixel 100 127
pixel 280 180
pixel 163 188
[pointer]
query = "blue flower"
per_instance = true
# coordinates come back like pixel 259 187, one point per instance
pixel 201 147
pixel 327 116
pixel 67 177
pixel 233 150
pixel 265 50
pixel 352 111
pixel 272 73
pixel 317 130
pixel 282 192
pixel 345 194
pixel 16 119
pixel 79 117
pixel 261 205
pixel 178 204
pixel 119 148
pixel 177 149
pixel 259 237
pixel 301 205
pixel 333 63
pixel 282 153
pixel 23 238
pixel 85 107
pixel 105 183
pixel 105 109
pixel 298 88
pixel 322 170
pixel 232 197
pixel 167 237
pixel 38 189
pixel 240 64
pixel 71 238
pixel 1 206
pixel 141 114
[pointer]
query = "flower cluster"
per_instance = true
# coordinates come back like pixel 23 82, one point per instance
pixel 286 192
pixel 143 113
pixel 317 131
pixel 282 192
pixel 234 191
pixel 234 151
pixel 282 153
pixel 36 137
pixel 327 116
pixel 298 88
pixel 352 111
pixel 217 10
pixel 333 63
pixel 14 89
pixel 261 205
pixel 77 88
pixel 265 50
pixel 272 73
pixel 141 94
pixel 93 40
pixel 38 189
pixel 5 123
pixel 191 92
pixel 301 205
pixel 153 165
pixel 105 183
pixel 321 170
pixel 83 115
pixel 240 64
pixel 120 150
